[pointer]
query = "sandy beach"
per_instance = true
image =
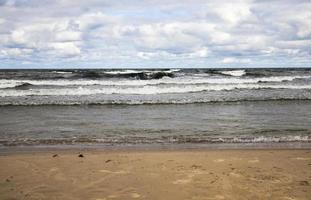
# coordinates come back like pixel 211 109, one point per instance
pixel 177 174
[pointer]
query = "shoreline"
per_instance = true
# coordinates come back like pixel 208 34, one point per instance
pixel 4 150
pixel 224 102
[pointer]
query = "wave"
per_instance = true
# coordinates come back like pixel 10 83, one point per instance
pixel 276 72
pixel 118 72
pixel 142 75
pixel 145 74
pixel 259 139
pixel 234 72
pixel 133 74
pixel 62 72
pixel 89 74
pixel 8 83
pixel 145 90
pixel 23 86
pixel 17 84
pixel 146 102
pixel 163 140
pixel 124 82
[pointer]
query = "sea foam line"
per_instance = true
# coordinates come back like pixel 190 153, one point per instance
pixel 147 90
pixel 4 83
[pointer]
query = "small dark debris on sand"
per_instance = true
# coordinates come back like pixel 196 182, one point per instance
pixel 305 183
pixel 9 179
pixel 80 155
pixel 107 161
pixel 55 155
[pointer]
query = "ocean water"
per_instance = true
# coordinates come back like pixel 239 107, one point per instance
pixel 146 107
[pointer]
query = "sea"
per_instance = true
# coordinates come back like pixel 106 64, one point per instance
pixel 155 107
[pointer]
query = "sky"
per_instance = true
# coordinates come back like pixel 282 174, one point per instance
pixel 154 33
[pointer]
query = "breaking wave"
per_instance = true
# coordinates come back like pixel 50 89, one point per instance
pixel 145 90
pixel 133 74
pixel 150 86
pixel 234 72
pixel 23 86
pixel 125 82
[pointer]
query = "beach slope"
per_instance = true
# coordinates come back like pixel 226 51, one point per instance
pixel 183 174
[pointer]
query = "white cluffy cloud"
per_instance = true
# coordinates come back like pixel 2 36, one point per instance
pixel 135 33
pixel 235 60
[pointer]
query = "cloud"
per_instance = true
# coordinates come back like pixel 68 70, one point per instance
pixel 15 52
pixel 232 12
pixel 235 60
pixel 155 32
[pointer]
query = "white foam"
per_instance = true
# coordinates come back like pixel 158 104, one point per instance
pixel 124 72
pixel 62 72
pixel 140 71
pixel 148 90
pixel 234 72
pixel 260 139
pixel 9 83
pixel 166 80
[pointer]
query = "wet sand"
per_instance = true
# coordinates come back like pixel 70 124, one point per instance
pixel 183 174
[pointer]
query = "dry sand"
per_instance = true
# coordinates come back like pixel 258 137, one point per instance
pixel 165 175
